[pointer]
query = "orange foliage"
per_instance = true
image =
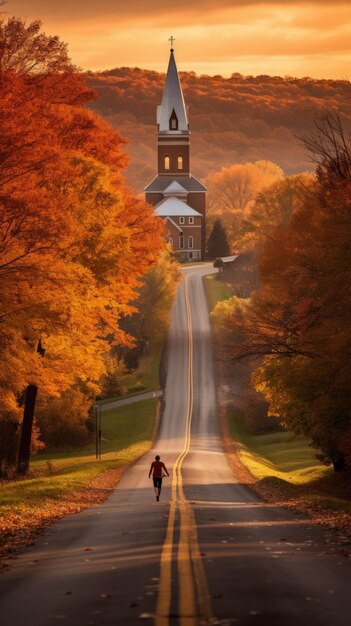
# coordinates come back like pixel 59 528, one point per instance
pixel 73 240
pixel 233 120
pixel 298 321
pixel 232 192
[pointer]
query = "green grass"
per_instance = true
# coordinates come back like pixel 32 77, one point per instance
pixel 288 462
pixel 126 435
pixel 216 291
pixel 278 454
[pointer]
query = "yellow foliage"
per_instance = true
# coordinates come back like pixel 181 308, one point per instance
pixel 224 310
pixel 232 192
pixel 73 240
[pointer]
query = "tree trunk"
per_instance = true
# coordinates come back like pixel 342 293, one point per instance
pixel 339 463
pixel 27 427
pixel 9 438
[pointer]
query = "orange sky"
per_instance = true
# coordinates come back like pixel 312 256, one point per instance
pixel 247 36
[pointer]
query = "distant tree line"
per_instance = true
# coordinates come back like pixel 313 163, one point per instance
pixel 238 119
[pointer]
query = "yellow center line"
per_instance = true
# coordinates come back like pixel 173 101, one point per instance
pixel 194 603
pixel 187 603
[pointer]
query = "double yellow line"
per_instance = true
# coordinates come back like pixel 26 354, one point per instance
pixel 194 606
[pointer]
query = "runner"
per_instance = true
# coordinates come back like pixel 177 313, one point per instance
pixel 158 471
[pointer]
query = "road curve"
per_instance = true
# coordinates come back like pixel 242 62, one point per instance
pixel 209 553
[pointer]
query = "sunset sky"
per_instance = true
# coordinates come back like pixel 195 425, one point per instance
pixel 247 36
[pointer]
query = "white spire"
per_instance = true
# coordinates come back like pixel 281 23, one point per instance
pixel 172 100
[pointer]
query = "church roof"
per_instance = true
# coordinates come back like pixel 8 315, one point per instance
pixel 160 184
pixel 173 207
pixel 175 188
pixel 172 100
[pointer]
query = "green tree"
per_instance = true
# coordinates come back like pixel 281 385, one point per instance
pixel 217 244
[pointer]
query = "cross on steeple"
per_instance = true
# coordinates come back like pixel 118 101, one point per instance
pixel 171 39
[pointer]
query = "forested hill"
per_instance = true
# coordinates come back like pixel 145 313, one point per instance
pixel 232 120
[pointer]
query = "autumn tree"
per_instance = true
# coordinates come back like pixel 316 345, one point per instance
pixel 73 240
pixel 249 404
pixel 232 192
pixel 150 322
pixel 156 296
pixel 273 208
pixel 297 322
pixel 63 419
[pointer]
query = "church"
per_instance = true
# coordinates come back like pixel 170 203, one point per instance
pixel 178 197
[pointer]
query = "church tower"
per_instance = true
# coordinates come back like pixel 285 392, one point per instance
pixel 173 136
pixel 178 196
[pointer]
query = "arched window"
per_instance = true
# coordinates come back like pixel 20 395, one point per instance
pixel 180 162
pixel 167 162
pixel 173 121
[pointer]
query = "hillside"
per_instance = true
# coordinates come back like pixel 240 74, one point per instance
pixel 236 119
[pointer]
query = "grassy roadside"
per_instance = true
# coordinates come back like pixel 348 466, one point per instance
pixel 279 454
pixel 69 482
pixel 279 466
pixel 145 378
pixel 284 468
pixel 215 290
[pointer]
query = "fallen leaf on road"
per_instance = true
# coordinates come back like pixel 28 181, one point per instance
pixel 104 596
pixel 88 549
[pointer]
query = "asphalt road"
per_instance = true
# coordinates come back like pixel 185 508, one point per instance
pixel 208 553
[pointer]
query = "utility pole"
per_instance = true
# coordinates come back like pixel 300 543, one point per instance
pixel 97 411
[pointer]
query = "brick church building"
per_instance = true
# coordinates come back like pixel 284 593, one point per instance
pixel 178 197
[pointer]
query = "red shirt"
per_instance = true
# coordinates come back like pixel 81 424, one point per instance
pixel 157 469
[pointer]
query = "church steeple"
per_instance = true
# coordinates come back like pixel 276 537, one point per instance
pixel 173 141
pixel 172 114
pixel 178 197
